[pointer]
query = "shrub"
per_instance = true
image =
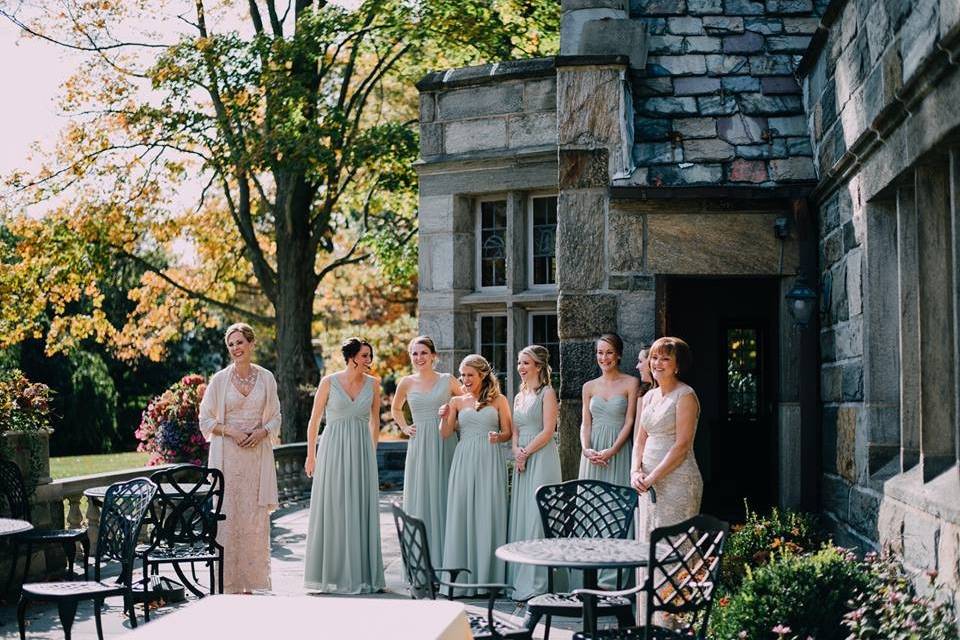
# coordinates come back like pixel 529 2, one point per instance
pixel 806 593
pixel 891 609
pixel 169 429
pixel 755 541
pixel 24 408
pixel 24 405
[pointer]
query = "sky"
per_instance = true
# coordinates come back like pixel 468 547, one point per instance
pixel 32 72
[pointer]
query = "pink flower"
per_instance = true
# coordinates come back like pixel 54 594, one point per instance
pixel 781 630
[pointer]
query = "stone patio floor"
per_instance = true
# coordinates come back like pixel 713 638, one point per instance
pixel 289 534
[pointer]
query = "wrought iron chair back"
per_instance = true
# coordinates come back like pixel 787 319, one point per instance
pixel 125 506
pixel 187 506
pixel 415 553
pixel 684 570
pixel 13 492
pixel 586 509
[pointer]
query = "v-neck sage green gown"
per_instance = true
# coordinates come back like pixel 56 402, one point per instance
pixel 343 535
pixel 427 468
pixel 476 501
pixel 543 467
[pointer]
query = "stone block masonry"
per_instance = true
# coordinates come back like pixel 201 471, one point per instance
pixel 718 101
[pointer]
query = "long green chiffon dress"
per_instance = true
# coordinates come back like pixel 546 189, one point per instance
pixel 427 468
pixel 343 535
pixel 476 501
pixel 608 415
pixel 543 467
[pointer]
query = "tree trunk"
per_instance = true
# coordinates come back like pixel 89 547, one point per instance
pixel 294 308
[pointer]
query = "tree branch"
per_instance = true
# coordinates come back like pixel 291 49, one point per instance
pixel 226 306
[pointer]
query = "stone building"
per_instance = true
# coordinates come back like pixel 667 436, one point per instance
pixel 682 168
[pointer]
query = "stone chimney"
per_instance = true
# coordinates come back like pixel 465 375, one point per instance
pixel 602 27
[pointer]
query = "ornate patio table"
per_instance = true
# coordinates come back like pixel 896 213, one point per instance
pixel 11 526
pixel 585 554
pixel 257 617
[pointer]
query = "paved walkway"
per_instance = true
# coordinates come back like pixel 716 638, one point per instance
pixel 289 533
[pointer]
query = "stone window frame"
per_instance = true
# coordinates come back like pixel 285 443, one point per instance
pixel 528 227
pixel 906 408
pixel 478 251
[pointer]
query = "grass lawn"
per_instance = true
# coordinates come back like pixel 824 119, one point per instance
pixel 68 466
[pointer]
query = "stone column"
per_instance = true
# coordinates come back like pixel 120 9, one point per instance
pixel 590 106
pixel 446 274
pixel 937 409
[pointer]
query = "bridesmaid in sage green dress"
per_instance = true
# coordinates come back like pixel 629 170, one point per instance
pixel 343 534
pixel 429 455
pixel 477 493
pixel 609 406
pixel 536 462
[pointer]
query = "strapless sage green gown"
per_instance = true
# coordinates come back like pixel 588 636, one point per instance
pixel 343 534
pixel 607 421
pixel 427 468
pixel 476 501
pixel 543 467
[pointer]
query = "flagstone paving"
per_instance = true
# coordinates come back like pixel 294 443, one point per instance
pixel 289 533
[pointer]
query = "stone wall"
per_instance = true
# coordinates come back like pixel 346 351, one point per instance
pixel 881 94
pixel 718 101
pixel 489 129
pixel 495 107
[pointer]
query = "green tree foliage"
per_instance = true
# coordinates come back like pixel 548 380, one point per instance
pixel 298 122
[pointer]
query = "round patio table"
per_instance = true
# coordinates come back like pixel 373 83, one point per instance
pixel 584 554
pixel 11 526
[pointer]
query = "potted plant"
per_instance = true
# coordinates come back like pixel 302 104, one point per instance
pixel 25 426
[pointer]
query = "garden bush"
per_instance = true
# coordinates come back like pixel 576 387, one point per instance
pixel 805 593
pixel 755 541
pixel 891 609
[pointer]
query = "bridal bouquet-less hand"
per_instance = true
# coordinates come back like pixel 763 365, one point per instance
pixel 170 428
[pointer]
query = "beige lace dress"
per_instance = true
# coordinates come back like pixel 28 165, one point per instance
pixel 245 534
pixel 679 492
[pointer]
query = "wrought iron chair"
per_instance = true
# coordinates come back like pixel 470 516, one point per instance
pixel 15 503
pixel 124 508
pixel 582 509
pixel 425 584
pixel 682 577
pixel 185 515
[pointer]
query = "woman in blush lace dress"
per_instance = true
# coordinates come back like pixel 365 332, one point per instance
pixel 663 444
pixel 240 416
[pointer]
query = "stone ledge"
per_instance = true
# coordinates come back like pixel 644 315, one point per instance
pixel 487 73
pixel 937 497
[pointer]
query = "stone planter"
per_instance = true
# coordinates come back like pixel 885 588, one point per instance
pixel 391 458
pixel 31 452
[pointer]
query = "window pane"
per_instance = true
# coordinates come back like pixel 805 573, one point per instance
pixel 742 373
pixel 493 345
pixel 544 332
pixel 544 234
pixel 493 243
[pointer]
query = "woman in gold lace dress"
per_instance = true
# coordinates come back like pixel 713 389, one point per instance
pixel 240 416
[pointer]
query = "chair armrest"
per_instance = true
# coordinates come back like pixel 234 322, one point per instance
pixel 457 570
pixel 609 594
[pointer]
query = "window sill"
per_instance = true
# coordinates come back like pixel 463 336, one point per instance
pixel 503 297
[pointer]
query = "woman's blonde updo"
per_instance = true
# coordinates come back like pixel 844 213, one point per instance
pixel 541 357
pixel 243 328
pixel 489 385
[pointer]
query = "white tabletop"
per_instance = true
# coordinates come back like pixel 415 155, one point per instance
pixel 10 526
pixel 269 617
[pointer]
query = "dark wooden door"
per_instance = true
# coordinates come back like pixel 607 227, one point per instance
pixel 731 327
